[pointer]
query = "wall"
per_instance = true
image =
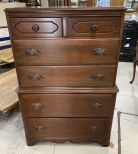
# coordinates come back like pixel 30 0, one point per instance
pixel 2 13
pixel 44 3
pixel 113 2
pixel 117 2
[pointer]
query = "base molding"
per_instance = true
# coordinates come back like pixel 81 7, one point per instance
pixel 33 140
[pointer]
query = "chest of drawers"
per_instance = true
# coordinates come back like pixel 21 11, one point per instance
pixel 66 61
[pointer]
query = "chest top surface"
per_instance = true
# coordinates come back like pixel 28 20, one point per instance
pixel 111 11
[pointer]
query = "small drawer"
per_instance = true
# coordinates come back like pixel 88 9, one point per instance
pixel 94 27
pixel 66 52
pixel 67 76
pixel 73 105
pixel 36 27
pixel 68 128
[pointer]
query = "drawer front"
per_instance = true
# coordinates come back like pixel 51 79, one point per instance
pixel 67 128
pixel 66 52
pixel 67 105
pixel 68 76
pixel 94 27
pixel 36 27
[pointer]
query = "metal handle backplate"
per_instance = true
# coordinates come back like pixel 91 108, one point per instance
pixel 99 51
pixel 96 106
pixel 32 52
pixel 97 76
pixel 36 106
pixel 39 128
pixel 95 129
pixel 35 76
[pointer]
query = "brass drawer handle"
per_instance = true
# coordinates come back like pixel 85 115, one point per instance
pixel 100 51
pixel 96 106
pixel 35 27
pixel 95 129
pixel 97 76
pixel 39 128
pixel 32 52
pixel 36 77
pixel 94 28
pixel 36 106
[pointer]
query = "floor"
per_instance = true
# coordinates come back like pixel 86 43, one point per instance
pixel 124 136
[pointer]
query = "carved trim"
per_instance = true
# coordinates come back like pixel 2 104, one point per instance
pixel 33 140
pixel 64 90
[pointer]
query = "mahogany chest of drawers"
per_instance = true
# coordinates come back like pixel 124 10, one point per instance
pixel 66 61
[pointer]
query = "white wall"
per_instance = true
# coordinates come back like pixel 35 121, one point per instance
pixel 2 13
pixel 44 3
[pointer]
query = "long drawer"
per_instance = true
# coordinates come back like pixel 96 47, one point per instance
pixel 68 128
pixel 67 105
pixel 60 76
pixel 66 52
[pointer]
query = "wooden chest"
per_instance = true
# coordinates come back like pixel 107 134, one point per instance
pixel 66 61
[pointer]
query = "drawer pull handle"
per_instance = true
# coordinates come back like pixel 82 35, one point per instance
pixel 95 129
pixel 32 52
pixel 94 28
pixel 35 27
pixel 97 76
pixel 96 106
pixel 40 128
pixel 36 106
pixel 100 51
pixel 36 77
